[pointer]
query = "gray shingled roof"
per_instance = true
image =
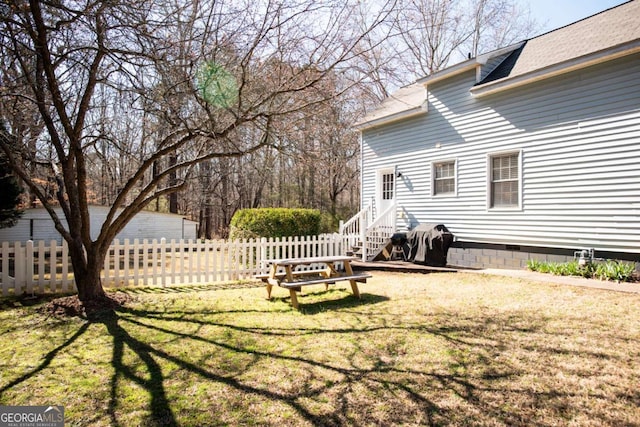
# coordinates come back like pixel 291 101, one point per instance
pixel 615 28
pixel 605 30
pixel 405 101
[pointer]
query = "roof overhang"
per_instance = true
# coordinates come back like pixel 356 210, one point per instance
pixel 557 69
pixel 413 112
pixel 449 72
pixel 468 64
pixel 460 68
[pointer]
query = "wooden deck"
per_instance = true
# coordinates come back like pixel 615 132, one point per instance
pixel 401 266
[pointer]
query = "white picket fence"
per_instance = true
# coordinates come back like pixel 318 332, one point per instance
pixel 39 267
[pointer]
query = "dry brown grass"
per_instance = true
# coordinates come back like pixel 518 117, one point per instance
pixel 436 349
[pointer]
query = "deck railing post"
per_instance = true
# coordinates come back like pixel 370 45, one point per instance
pixel 364 224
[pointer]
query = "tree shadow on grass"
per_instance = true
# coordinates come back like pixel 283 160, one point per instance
pixel 161 413
pixel 181 289
pixel 46 361
pixel 353 374
pixel 146 370
pixel 150 377
pixel 152 382
pixel 347 301
pixel 296 400
pixel 337 381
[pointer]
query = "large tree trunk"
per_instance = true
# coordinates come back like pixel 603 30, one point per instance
pixel 173 180
pixel 86 270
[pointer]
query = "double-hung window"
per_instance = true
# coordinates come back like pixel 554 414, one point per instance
pixel 505 175
pixel 444 178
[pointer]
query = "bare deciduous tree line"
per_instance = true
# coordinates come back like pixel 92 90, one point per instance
pixel 204 107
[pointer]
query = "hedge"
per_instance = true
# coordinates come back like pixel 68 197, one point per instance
pixel 275 222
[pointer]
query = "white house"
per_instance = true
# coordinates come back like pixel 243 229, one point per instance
pixel 532 150
pixel 36 224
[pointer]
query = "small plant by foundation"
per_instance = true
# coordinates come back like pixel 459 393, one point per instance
pixel 607 270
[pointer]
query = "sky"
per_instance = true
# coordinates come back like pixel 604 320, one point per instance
pixel 553 14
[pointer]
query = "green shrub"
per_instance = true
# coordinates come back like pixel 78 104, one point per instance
pixel 274 222
pixel 329 223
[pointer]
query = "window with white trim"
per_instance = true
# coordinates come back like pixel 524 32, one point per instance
pixel 505 180
pixel 444 178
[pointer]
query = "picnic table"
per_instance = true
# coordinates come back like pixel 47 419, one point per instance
pixel 283 273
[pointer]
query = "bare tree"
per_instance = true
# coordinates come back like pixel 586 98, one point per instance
pixel 434 33
pixel 193 77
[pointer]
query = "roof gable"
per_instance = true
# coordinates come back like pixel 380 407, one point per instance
pixel 579 44
pixel 604 36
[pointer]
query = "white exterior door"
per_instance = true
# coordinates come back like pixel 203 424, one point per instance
pixel 386 189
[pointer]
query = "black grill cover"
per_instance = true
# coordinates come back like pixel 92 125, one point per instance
pixel 429 244
pixel 399 239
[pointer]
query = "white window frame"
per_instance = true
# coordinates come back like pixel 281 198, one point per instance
pixel 455 177
pixel 490 157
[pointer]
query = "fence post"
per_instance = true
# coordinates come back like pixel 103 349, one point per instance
pixel 28 265
pixel 190 259
pixel 65 266
pixel 234 260
pixel 5 268
pixel 53 265
pixel 175 256
pixel 126 262
pixel 163 267
pixel 343 237
pixel 19 268
pixel 116 262
pixel 136 262
pixel 263 253
pixel 363 235
pixel 41 263
pixel 144 274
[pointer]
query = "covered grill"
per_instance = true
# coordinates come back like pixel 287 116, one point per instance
pixel 429 244
pixel 400 247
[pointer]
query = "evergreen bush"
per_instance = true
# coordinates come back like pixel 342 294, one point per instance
pixel 274 222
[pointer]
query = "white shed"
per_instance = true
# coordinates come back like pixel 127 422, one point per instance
pixel 36 224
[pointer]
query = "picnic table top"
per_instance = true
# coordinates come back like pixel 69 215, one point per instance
pixel 310 260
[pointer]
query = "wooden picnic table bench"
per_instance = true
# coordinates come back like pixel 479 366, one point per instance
pixel 282 273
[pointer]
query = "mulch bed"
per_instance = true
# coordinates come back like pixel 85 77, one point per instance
pixel 71 306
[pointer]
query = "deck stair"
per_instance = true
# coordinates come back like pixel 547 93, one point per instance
pixel 369 237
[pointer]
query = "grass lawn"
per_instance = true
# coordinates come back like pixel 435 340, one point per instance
pixel 435 349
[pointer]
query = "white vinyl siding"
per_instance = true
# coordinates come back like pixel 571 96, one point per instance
pixel 579 138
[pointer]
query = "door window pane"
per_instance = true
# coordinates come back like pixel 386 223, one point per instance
pixel 387 186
